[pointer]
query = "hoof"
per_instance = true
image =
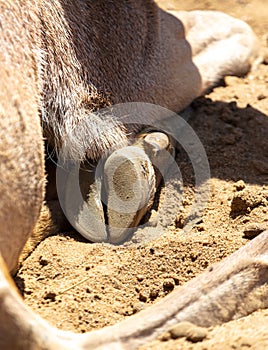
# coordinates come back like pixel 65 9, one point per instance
pixel 115 199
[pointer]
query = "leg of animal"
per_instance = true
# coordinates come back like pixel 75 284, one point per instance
pixel 57 59
pixel 221 45
pixel 21 146
pixel 191 52
pixel 174 58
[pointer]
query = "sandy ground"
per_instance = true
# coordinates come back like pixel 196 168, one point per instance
pixel 80 286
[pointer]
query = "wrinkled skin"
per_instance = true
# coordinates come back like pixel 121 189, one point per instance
pixel 61 60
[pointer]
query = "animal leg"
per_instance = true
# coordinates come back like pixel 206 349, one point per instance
pixel 221 45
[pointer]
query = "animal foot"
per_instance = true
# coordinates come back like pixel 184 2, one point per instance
pixel 119 191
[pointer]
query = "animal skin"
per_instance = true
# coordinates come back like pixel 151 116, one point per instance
pixel 62 60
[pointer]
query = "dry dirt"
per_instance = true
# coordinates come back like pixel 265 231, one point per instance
pixel 80 286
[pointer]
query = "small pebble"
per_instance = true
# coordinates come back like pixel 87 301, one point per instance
pixel 50 296
pixel 253 230
pixel 261 97
pixel 180 221
pixel 154 293
pixel 152 251
pixel 189 331
pixel 197 334
pixel 201 227
pixel 140 278
pixel 244 201
pixel 168 284
pixel 180 330
pixel 143 297
pixel 28 291
pixel 42 261
pixel 239 185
